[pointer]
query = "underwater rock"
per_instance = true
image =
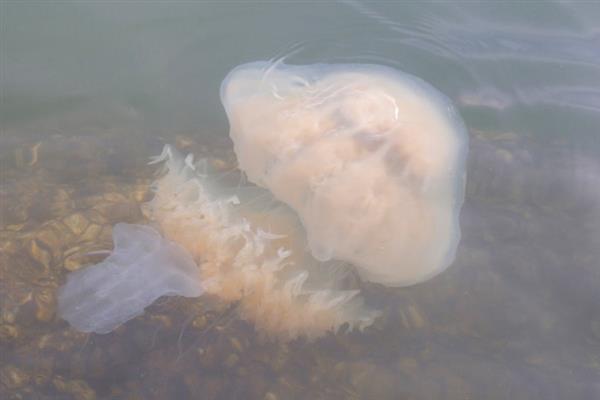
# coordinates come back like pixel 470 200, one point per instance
pixel 77 223
pixel 45 304
pixel 61 202
pixel 8 332
pixel 43 371
pixel 13 378
pixel 231 360
pixel 82 255
pixel 79 389
pixel 52 236
pixel 39 253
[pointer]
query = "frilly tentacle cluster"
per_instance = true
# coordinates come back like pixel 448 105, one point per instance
pixel 279 286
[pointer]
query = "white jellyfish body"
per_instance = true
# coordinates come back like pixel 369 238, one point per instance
pixel 371 159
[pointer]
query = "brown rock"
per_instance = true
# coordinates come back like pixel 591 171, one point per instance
pixel 79 389
pixel 8 332
pixel 231 360
pixel 43 371
pixel 270 396
pixel 13 378
pixel 91 233
pixel 236 344
pixel 77 223
pixel 200 322
pixel 39 253
pixel 45 302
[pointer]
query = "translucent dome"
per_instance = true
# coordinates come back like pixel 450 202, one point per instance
pixel 371 158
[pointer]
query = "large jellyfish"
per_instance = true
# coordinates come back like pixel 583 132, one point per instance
pixel 354 164
pixel 371 159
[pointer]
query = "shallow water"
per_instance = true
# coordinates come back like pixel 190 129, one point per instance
pixel 90 91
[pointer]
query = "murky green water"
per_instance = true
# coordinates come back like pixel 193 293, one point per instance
pixel 90 90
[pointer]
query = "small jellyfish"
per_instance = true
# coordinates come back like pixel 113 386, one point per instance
pixel 372 159
pixel 102 297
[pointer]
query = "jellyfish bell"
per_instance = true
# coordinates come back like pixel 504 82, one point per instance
pixel 372 159
pixel 103 296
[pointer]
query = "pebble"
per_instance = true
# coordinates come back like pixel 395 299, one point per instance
pixel 43 371
pixel 77 223
pixel 45 302
pixel 79 256
pixel 270 396
pixel 13 378
pixel 231 360
pixel 91 233
pixel 200 322
pixel 79 389
pixel 39 253
pixel 236 344
pixel 8 332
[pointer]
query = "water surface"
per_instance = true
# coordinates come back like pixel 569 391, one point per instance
pixel 90 90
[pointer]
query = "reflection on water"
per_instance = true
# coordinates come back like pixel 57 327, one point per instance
pixel 89 92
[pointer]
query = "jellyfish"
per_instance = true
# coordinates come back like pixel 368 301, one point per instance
pixel 350 168
pixel 370 158
pixel 102 297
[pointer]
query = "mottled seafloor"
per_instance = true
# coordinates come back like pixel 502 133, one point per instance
pixel 515 317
